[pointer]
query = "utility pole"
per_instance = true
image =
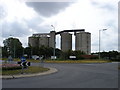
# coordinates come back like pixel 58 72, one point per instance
pixel 100 41
pixel 54 44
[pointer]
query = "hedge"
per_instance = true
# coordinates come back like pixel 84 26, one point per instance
pixel 12 68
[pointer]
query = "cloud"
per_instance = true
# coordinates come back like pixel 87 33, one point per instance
pixel 48 8
pixel 17 29
pixel 92 18
pixel 22 19
pixel 119 26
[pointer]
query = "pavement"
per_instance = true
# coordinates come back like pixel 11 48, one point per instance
pixel 52 70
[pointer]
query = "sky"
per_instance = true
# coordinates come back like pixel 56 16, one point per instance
pixel 22 18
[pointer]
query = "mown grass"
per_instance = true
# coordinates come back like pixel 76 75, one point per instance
pixel 29 70
pixel 77 61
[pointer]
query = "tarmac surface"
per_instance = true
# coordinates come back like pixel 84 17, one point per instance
pixel 103 75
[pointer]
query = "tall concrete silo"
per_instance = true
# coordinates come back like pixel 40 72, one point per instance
pixel 33 41
pixel 52 39
pixel 66 41
pixel 83 42
pixel 44 41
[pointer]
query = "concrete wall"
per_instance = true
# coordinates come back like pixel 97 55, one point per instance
pixel 33 41
pixel 83 42
pixel 43 41
pixel 46 39
pixel 66 41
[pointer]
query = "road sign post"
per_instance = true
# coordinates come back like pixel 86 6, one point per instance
pixel 23 63
pixel 10 59
pixel 41 61
pixel 23 59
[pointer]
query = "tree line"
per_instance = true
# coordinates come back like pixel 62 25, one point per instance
pixel 110 55
pixel 13 46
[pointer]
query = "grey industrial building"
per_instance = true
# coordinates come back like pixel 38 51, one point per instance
pixel 46 39
pixel 66 41
pixel 82 40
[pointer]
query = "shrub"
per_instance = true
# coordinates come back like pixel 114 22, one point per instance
pixel 11 66
pixel 89 56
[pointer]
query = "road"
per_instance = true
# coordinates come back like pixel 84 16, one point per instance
pixel 71 76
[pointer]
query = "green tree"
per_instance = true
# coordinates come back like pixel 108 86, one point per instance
pixel 28 51
pixel 111 55
pixel 65 55
pixel 47 52
pixel 13 46
pixel 78 54
pixel 4 52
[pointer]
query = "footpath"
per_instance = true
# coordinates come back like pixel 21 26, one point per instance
pixel 52 70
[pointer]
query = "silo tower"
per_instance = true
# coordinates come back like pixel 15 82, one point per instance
pixel 83 42
pixel 66 41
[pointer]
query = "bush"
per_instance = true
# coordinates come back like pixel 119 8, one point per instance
pixel 12 68
pixel 89 56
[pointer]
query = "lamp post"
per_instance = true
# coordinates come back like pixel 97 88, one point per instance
pixel 54 42
pixel 100 40
pixel 53 27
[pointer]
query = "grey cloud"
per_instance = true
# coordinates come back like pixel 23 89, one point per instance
pixel 34 22
pixel 15 29
pixel 48 8
pixel 35 25
pixel 21 29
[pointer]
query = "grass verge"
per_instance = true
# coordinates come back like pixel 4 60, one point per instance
pixel 77 61
pixel 29 70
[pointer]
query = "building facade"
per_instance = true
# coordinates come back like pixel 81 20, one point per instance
pixel 42 39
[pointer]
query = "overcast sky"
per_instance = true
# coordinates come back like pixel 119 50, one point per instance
pixel 21 19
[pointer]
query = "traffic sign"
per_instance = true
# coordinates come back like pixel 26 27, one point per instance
pixel 23 59
pixel 27 63
pixel 24 63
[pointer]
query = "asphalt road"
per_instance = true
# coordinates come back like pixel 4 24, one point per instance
pixel 71 76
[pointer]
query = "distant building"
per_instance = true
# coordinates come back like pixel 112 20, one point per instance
pixel 82 40
pixel 66 41
pixel 46 39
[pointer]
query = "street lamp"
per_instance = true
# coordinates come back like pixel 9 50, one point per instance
pixel 100 40
pixel 53 27
pixel 54 44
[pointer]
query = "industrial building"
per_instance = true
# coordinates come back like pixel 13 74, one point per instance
pixel 66 41
pixel 40 39
pixel 82 40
